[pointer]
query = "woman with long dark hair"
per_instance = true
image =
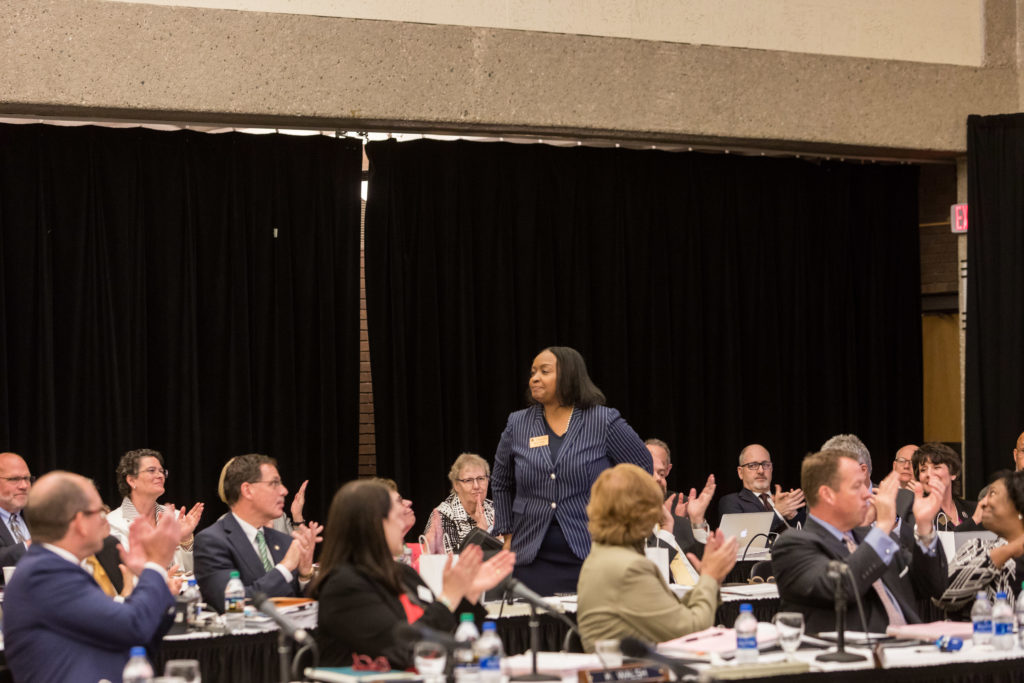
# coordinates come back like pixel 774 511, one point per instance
pixel 549 456
pixel 364 593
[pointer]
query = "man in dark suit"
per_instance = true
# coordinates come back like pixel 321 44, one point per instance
pixel 58 624
pixel 15 481
pixel 888 578
pixel 755 471
pixel 267 560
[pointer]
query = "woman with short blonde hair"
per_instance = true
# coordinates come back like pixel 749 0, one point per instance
pixel 465 508
pixel 621 592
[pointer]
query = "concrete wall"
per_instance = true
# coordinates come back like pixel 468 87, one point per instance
pixel 937 31
pixel 96 59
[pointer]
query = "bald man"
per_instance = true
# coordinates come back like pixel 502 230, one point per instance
pixel 903 465
pixel 755 471
pixel 1018 453
pixel 15 481
pixel 58 624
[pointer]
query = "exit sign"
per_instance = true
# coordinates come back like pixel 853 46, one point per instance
pixel 958 218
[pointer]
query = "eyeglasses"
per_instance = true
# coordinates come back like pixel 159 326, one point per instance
pixel 20 480
pixel 153 471
pixel 367 663
pixel 753 466
pixel 274 483
pixel 474 480
pixel 97 511
pixel 902 461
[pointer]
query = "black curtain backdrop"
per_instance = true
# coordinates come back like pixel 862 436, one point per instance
pixel 995 292
pixel 718 300
pixel 145 302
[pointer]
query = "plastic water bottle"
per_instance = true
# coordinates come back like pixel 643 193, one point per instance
pixel 192 599
pixel 489 653
pixel 466 668
pixel 1002 623
pixel 137 670
pixel 746 634
pixel 981 617
pixel 234 603
pixel 1019 613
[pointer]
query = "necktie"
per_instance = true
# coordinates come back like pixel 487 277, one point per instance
pixel 261 543
pixel 19 535
pixel 892 610
pixel 99 575
pixel 767 503
pixel 682 571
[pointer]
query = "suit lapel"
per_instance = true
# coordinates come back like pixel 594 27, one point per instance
pixel 276 543
pixel 831 543
pixel 5 535
pixel 539 428
pixel 243 549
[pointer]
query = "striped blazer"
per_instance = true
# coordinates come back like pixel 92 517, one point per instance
pixel 529 489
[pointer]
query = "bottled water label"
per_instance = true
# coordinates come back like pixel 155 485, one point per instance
pixel 746 642
pixel 490 663
pixel 983 626
pixel 1003 628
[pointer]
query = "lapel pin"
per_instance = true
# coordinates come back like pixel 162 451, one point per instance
pixel 277 547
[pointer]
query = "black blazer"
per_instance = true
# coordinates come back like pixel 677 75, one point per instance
pixel 746 501
pixel 800 560
pixel 10 552
pixel 358 614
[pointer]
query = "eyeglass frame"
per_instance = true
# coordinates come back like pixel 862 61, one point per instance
pixel 765 465
pixel 275 483
pixel 20 480
pixel 153 471
pixel 475 480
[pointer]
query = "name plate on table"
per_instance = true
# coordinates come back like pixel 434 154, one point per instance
pixel 633 673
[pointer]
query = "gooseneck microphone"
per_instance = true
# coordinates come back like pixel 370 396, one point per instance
pixel 638 649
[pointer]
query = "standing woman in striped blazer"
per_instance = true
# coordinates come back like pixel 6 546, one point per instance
pixel 549 456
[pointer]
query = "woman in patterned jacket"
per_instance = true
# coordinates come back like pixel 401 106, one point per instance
pixel 465 508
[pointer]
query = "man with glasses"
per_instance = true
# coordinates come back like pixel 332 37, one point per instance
pixel 58 624
pixel 15 482
pixel 1018 453
pixel 903 465
pixel 266 560
pixel 755 471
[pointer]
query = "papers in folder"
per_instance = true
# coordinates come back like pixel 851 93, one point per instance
pixel 716 640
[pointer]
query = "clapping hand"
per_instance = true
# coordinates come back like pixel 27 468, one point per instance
pixel 788 503
pixel 926 507
pixel 697 505
pixel 189 521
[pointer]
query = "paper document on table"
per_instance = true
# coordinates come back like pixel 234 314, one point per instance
pixel 551 662
pixel 752 590
pixel 931 631
pixel 717 640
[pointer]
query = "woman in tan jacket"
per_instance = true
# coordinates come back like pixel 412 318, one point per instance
pixel 621 592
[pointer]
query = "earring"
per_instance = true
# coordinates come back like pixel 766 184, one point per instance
pixel 1020 517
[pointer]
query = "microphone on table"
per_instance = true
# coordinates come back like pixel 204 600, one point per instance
pixel 417 631
pixel 265 605
pixel 520 590
pixel 638 649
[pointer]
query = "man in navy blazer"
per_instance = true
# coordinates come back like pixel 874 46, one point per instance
pixel 58 624
pixel 839 497
pixel 266 560
pixel 755 471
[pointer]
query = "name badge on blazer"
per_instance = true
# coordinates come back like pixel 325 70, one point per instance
pixel 538 441
pixel 424 594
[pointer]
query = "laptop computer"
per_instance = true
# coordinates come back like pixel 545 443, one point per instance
pixel 751 531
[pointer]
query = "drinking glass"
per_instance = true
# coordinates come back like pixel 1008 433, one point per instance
pixel 430 660
pixel 185 669
pixel 790 627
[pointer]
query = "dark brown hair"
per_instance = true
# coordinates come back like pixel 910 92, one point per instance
pixel 129 464
pixel 244 468
pixel 939 454
pixel 355 535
